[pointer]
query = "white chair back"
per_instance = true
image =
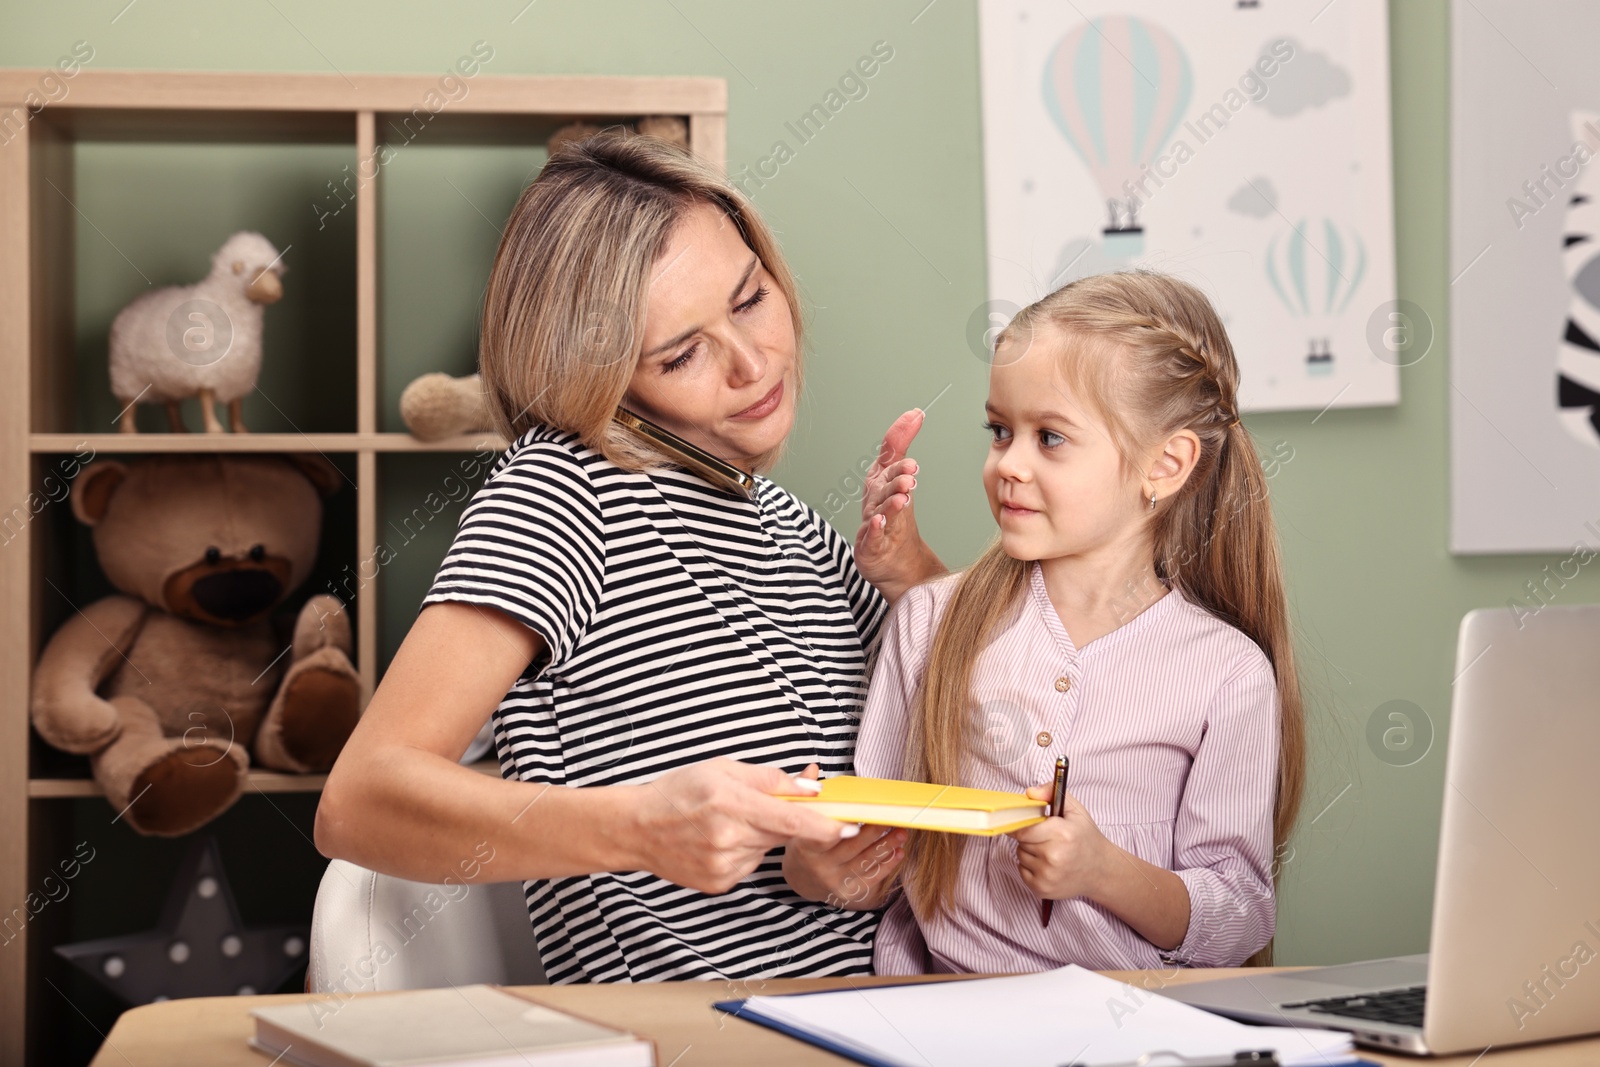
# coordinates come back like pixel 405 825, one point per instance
pixel 372 932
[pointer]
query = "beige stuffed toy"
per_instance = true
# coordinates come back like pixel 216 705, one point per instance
pixel 167 684
pixel 202 340
pixel 436 406
pixel 665 127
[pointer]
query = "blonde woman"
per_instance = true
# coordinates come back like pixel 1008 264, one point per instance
pixel 660 654
pixel 1131 616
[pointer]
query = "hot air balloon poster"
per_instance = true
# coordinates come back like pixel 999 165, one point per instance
pixel 1525 288
pixel 1240 144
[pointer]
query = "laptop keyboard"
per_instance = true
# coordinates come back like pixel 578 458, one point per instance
pixel 1403 1007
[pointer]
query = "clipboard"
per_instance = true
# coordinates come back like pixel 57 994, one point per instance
pixel 736 1008
pixel 900 1023
pixel 1242 1058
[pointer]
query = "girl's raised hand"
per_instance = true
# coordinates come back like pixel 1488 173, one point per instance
pixel 1062 858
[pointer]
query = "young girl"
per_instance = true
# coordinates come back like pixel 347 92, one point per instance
pixel 1130 616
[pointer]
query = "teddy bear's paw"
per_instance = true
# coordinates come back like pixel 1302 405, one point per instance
pixel 163 785
pixel 313 714
pixel 185 787
pixel 324 622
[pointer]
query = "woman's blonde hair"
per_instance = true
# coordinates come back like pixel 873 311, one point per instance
pixel 1148 352
pixel 564 309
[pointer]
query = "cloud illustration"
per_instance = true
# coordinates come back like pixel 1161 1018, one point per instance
pixel 1256 198
pixel 1308 79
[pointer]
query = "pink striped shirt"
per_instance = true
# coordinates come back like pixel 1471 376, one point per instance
pixel 1171 725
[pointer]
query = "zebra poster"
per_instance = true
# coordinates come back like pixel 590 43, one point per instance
pixel 1240 144
pixel 1525 264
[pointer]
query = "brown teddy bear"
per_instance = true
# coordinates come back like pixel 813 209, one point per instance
pixel 166 685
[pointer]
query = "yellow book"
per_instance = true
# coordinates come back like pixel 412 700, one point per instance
pixel 951 809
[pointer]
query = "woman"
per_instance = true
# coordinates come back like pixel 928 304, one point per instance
pixel 661 654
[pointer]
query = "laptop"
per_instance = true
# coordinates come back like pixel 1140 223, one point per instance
pixel 1515 946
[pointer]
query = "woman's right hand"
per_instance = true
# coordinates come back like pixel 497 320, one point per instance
pixel 709 825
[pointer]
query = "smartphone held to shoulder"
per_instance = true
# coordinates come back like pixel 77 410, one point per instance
pixel 723 475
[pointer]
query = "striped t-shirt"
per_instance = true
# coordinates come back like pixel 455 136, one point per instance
pixel 1170 724
pixel 682 623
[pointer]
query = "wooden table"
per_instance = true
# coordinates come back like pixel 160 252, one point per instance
pixel 678 1015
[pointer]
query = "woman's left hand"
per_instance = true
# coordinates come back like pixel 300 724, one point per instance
pixel 889 550
pixel 1062 858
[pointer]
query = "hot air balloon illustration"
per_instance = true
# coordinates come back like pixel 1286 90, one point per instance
pixel 1117 87
pixel 1315 268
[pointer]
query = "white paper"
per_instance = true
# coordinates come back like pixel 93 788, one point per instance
pixel 1048 1019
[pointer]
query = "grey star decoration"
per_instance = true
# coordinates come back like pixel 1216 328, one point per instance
pixel 199 948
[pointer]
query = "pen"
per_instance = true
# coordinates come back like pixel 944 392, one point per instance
pixel 1163 1058
pixel 1058 800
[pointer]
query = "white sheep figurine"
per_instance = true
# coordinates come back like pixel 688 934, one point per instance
pixel 198 340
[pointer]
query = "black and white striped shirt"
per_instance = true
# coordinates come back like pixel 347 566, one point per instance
pixel 682 623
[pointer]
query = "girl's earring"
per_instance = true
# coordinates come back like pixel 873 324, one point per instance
pixel 1152 500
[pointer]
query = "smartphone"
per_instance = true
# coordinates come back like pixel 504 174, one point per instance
pixel 703 463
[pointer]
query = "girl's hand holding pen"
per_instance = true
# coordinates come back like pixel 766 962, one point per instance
pixel 1062 858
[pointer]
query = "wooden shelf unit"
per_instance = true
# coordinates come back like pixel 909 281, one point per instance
pixel 63 443
pixel 259 782
pixel 37 337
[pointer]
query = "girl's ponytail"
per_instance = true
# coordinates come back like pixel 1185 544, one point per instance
pixel 1220 546
pixel 944 723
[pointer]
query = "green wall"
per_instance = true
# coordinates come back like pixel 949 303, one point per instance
pixel 881 216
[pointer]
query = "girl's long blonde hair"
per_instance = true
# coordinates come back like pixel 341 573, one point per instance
pixel 1149 353
pixel 564 309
